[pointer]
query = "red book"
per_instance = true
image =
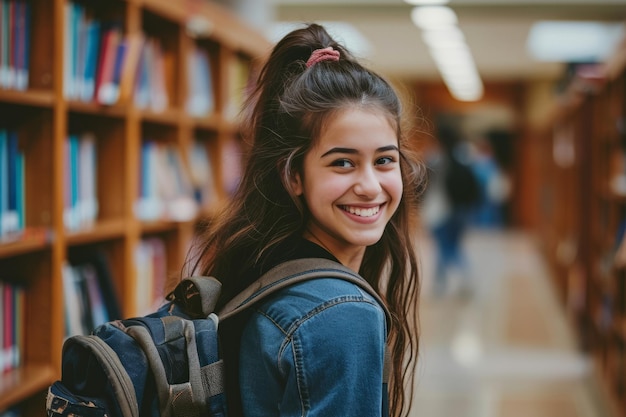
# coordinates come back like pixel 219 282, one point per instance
pixel 106 63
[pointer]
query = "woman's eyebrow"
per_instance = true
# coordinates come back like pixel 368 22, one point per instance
pixel 355 151
pixel 340 150
pixel 388 148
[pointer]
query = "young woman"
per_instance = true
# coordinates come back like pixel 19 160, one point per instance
pixel 327 177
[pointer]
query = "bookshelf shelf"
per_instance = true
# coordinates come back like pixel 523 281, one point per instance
pixel 30 241
pixel 22 383
pixel 119 110
pixel 152 227
pixel 79 128
pixel 168 117
pixel 100 231
pixel 35 98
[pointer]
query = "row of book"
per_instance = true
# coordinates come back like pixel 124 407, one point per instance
pixel 105 65
pixel 90 297
pixel 171 187
pixel 89 294
pixel 152 275
pixel 81 182
pixel 14 43
pixel 12 322
pixel 12 173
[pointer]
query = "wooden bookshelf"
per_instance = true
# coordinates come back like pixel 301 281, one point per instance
pixel 43 116
pixel 585 204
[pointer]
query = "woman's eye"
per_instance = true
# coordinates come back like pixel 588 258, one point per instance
pixel 343 163
pixel 385 160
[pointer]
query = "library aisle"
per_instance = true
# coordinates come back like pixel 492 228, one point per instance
pixel 505 348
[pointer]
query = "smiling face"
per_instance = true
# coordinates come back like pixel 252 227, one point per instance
pixel 351 183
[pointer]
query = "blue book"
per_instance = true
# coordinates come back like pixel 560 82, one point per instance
pixel 21 191
pixel 77 15
pixel 11 217
pixel 74 175
pixel 12 156
pixel 93 48
pixel 71 184
pixel 26 58
pixel 120 55
pixel 4 179
pixel 16 40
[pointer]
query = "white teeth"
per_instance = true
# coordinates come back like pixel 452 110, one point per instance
pixel 362 212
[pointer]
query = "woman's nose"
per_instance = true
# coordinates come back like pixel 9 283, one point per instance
pixel 368 183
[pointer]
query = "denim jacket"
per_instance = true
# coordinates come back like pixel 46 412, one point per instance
pixel 314 349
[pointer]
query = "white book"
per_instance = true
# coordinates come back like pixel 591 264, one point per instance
pixel 87 169
pixel 72 302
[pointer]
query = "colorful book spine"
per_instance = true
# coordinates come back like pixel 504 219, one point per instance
pixel 80 195
pixel 200 87
pixel 12 322
pixel 12 183
pixel 151 267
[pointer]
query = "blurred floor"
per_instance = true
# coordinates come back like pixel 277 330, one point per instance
pixel 505 349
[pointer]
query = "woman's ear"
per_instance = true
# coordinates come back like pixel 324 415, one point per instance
pixel 296 184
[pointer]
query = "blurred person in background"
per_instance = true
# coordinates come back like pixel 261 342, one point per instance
pixel 453 192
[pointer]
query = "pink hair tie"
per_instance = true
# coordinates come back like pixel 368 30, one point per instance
pixel 319 55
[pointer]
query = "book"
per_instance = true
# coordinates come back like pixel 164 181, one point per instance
pixel 18 337
pixel 72 301
pixel 4 321
pixel 98 309
pixel 105 92
pixel 10 74
pixel 9 323
pixel 149 205
pixel 151 267
pixel 159 99
pixel 87 180
pixel 130 67
pixel 21 49
pixel 68 48
pixel 100 263
pixel 201 172
pixel 141 90
pixel 200 100
pixel 92 46
pixel 71 213
pixel 11 185
pixel 23 69
pixel 11 216
pixel 4 179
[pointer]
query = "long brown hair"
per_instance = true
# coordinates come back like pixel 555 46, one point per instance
pixel 283 116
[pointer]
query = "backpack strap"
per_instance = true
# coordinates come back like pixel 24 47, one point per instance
pixel 291 272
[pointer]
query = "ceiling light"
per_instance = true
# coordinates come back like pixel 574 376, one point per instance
pixel 426 2
pixel 433 17
pixel 560 41
pixel 443 38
